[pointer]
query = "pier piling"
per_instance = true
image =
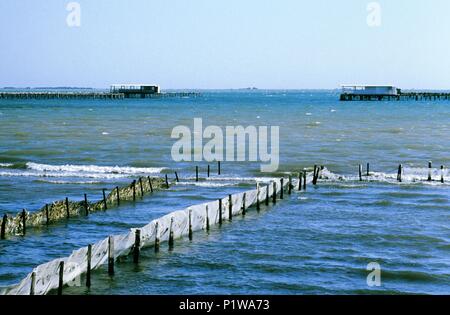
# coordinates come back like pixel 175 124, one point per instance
pixel 190 225
pixel 137 245
pixel 171 241
pixel 110 256
pixel 118 195
pixel 243 203
pixel 33 283
pixel 230 208
pixel 156 237
pixel 399 173
pixel 442 174
pixel 429 170
pixel 88 269
pixel 3 228
pixel 47 220
pixel 274 194
pixel 176 177
pixel 142 187
pixel 196 173
pixel 220 212
pixel 67 208
pixel 150 184
pixel 360 172
pixel 24 222
pixel 61 277
pixel 207 218
pixel 104 199
pixel 86 205
pixel 257 197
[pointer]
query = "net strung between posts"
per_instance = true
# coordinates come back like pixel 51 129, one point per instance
pixel 45 277
pixel 62 209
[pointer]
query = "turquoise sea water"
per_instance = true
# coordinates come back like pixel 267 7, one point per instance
pixel 315 242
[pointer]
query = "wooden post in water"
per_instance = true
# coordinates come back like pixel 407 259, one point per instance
pixel 274 195
pixel 230 208
pixel 290 185
pixel 282 186
pixel 190 224
pixel 86 207
pixel 266 202
pixel 360 172
pixel 67 208
pixel 24 222
pixel 88 269
pixel 61 277
pixel 257 197
pixel 3 228
pixel 207 219
pixel 196 173
pixel 118 195
pixel 314 175
pixel 33 283
pixel 218 167
pixel 176 177
pixel 136 247
pixel 368 169
pixel 110 256
pixel 208 170
pixel 134 189
pixel 150 183
pixel 300 179
pixel 156 237
pixel 47 220
pixel 304 180
pixel 243 203
pixel 399 173
pixel 442 174
pixel 220 211
pixel 429 171
pixel 171 241
pixel 142 187
pixel 167 182
pixel 104 199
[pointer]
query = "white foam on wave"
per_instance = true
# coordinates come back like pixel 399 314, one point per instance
pixel 90 182
pixel 6 164
pixel 207 184
pixel 409 176
pixel 78 171
pixel 60 174
pixel 94 169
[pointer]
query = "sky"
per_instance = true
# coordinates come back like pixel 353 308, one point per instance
pixel 204 44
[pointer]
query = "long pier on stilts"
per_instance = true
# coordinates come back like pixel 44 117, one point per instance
pixel 387 93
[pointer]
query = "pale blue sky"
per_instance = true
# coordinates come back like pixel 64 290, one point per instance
pixel 225 44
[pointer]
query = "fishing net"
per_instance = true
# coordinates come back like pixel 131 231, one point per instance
pixel 45 277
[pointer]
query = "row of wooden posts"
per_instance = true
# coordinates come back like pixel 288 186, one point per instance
pixel 135 252
pixel 400 172
pixel 86 204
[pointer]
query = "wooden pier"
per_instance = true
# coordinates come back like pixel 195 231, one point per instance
pixel 403 96
pixel 60 95
pixel 89 95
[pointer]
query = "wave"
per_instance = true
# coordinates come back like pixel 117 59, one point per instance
pixel 94 169
pixel 409 176
pixel 31 169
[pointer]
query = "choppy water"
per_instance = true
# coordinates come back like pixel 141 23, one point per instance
pixel 316 242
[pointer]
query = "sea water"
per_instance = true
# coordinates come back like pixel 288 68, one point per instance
pixel 319 241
